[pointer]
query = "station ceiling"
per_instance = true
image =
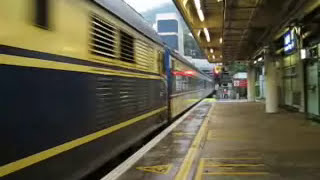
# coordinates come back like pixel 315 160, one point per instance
pixel 238 28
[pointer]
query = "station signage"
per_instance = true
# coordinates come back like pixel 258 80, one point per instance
pixel 189 73
pixel 289 42
pixel 242 83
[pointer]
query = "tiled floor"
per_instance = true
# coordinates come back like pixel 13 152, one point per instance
pixel 235 141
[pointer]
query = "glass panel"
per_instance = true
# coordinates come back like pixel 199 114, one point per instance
pixel 171 41
pixel 167 26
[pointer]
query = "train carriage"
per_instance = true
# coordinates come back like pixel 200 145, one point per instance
pixel 188 85
pixel 82 81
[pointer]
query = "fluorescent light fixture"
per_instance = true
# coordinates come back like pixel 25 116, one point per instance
pixel 198 4
pixel 199 32
pixel 255 62
pixel 199 10
pixel 303 53
pixel 213 57
pixel 211 50
pixel 260 59
pixel 206 32
pixel 220 40
pixel 219 0
pixel 200 14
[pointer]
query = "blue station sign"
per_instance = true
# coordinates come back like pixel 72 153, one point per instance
pixel 289 42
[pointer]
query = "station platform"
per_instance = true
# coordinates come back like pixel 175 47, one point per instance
pixel 229 140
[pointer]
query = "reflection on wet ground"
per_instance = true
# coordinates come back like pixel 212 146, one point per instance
pixel 163 161
pixel 241 142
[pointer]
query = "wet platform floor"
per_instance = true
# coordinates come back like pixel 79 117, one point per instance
pixel 238 142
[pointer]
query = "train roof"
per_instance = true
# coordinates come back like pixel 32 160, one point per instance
pixel 182 59
pixel 127 14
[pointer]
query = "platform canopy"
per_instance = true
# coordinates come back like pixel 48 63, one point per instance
pixel 233 30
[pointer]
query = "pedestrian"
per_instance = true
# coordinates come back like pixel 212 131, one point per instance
pixel 225 94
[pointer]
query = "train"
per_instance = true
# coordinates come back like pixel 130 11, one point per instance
pixel 81 82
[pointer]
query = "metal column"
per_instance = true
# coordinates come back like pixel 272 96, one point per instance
pixel 271 83
pixel 251 83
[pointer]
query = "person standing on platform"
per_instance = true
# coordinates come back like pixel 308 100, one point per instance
pixel 225 94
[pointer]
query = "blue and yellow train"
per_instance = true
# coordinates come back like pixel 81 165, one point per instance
pixel 82 81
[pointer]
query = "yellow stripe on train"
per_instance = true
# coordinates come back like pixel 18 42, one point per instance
pixel 30 160
pixel 46 64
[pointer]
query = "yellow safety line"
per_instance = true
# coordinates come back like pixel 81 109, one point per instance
pixel 233 165
pixel 45 64
pixel 28 161
pixel 192 152
pixel 236 173
pixel 200 170
pixel 236 158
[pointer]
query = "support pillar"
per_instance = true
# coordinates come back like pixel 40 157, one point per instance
pixel 300 72
pixel 251 91
pixel 300 78
pixel 271 83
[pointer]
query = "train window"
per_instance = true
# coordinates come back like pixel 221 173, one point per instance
pixel 42 13
pixel 126 47
pixel 103 38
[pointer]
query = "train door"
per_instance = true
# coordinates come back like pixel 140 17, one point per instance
pixel 312 88
pixel 167 66
pixel 312 84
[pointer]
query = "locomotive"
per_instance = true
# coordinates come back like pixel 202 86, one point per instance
pixel 82 81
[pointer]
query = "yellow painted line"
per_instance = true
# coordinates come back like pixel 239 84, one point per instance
pixel 210 100
pixel 233 165
pixel 159 169
pixel 38 63
pixel 30 160
pixel 193 150
pixel 236 173
pixel 234 158
pixel 200 170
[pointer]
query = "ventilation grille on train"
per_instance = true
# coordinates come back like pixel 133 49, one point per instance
pixel 145 55
pixel 119 99
pixel 126 47
pixel 103 38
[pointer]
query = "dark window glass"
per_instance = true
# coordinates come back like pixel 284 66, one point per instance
pixel 42 13
pixel 171 41
pixel 127 47
pixel 167 26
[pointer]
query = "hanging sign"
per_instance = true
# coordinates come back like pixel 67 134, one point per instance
pixel 289 42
